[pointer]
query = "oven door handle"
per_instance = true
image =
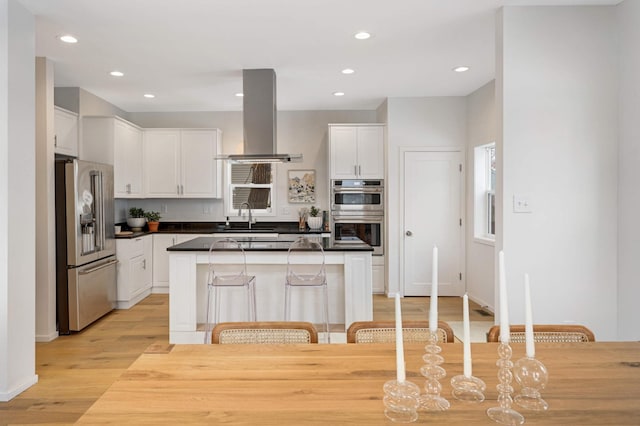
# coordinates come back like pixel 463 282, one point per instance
pixel 377 219
pixel 357 190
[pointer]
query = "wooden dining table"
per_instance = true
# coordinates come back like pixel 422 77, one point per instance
pixel 342 384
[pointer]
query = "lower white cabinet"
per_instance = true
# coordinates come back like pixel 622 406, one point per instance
pixel 135 266
pixel 377 271
pixel 161 258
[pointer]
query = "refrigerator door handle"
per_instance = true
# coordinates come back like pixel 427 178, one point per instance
pixel 99 207
pixel 97 268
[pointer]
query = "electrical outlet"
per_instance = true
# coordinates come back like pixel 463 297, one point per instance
pixel 521 204
pixel 285 210
pixel 163 208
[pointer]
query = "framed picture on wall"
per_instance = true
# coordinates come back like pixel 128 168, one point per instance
pixel 302 186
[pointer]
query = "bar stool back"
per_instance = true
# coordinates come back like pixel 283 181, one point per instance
pixel 306 269
pixel 217 279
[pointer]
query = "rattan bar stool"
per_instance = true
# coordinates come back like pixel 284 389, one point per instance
pixel 217 280
pixel 270 332
pixel 385 332
pixel 305 269
pixel 545 333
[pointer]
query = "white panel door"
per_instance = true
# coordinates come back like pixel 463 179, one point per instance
pixel 433 211
pixel 127 160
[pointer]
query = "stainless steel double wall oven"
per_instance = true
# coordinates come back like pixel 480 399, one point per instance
pixel 357 211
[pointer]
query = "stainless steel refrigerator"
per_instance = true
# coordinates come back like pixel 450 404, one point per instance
pixel 85 243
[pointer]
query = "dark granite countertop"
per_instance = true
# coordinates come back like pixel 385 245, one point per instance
pixel 281 243
pixel 219 227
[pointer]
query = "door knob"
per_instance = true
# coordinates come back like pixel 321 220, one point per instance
pixel 408 233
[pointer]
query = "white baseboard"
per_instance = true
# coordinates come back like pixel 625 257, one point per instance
pixel 43 338
pixel 12 393
pixel 160 290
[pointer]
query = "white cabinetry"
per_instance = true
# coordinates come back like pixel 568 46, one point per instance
pixel 161 257
pixel 182 163
pixel 113 140
pixel 356 151
pixel 66 132
pixel 377 274
pixel 135 266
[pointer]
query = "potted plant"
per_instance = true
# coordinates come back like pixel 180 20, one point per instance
pixel 153 219
pixel 314 221
pixel 136 219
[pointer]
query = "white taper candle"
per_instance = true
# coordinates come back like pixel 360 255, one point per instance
pixel 401 375
pixel 433 308
pixel 466 336
pixel 504 308
pixel 528 319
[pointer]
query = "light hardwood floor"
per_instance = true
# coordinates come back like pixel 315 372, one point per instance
pixel 74 371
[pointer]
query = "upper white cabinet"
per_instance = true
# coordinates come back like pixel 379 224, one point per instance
pixel 356 151
pixel 112 140
pixel 66 132
pixel 182 163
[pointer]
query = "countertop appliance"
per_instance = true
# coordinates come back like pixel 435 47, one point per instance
pixel 85 243
pixel 357 212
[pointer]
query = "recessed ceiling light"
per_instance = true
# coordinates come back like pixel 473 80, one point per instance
pixel 338 93
pixel 362 35
pixel 149 95
pixel 116 73
pixel 68 38
pixel 347 71
pixel 239 95
pixel 462 68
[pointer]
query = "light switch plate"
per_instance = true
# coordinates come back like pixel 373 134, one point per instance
pixel 521 204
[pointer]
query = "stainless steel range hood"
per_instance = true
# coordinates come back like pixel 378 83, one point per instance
pixel 260 118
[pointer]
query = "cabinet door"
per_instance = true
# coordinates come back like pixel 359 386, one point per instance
pixel 161 163
pixel 148 264
pixel 66 132
pixel 370 152
pixel 198 164
pixel 137 272
pixel 161 261
pixel 127 161
pixel 343 152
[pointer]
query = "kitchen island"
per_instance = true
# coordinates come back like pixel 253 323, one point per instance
pixel 348 267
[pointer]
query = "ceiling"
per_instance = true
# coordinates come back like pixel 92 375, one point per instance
pixel 190 53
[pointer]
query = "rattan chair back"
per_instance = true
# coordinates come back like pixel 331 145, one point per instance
pixel 269 332
pixel 545 334
pixel 385 332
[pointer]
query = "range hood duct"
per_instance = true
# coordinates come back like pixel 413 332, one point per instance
pixel 260 118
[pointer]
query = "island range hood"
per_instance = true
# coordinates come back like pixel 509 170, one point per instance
pixel 259 118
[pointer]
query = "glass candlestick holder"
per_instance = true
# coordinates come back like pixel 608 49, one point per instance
pixel 468 388
pixel 504 414
pixel 532 376
pixel 433 372
pixel 401 401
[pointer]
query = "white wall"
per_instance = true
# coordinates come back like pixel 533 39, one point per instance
pixel 480 258
pixel 438 122
pixel 628 171
pixel 45 204
pixel 558 82
pixel 299 132
pixel 17 199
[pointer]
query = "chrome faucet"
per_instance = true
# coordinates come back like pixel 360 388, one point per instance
pixel 248 208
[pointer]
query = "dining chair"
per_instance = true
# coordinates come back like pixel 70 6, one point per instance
pixel 306 269
pixel 385 332
pixel 219 278
pixel 269 332
pixel 561 333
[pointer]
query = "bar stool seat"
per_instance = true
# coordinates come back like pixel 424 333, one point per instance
pixel 217 280
pixel 306 269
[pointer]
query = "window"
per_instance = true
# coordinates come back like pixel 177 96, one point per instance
pixel 485 185
pixel 251 183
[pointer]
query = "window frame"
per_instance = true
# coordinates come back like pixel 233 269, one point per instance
pixel 484 195
pixel 229 188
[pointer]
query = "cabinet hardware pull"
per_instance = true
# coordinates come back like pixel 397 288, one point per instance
pixel 408 233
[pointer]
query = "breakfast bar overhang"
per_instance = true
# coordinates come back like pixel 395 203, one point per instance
pixel 348 267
